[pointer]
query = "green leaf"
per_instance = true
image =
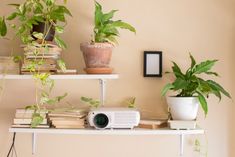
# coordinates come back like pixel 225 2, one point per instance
pixel 62 65
pixel 38 35
pixel 166 88
pixel 85 99
pixel 180 84
pixel 98 14
pixel 37 119
pixel 59 98
pixel 218 87
pixel 31 107
pixel 3 27
pixel 204 66
pixel 193 62
pixel 15 5
pixel 177 71
pixel 59 29
pixel 90 101
pixel 66 10
pixel 50 2
pixel 112 40
pixel 203 102
pixel 108 16
pixel 216 92
pixel 17 59
pixel 22 9
pixel 131 103
pixel 204 86
pixel 124 25
pixel 12 16
pixel 60 42
pixel 109 30
pixel 212 73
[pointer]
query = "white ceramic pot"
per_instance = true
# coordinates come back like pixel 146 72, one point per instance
pixel 183 108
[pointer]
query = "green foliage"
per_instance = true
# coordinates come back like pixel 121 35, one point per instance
pixel 131 102
pixel 33 12
pixel 60 42
pixel 190 84
pixel 61 65
pixel 25 16
pixel 202 150
pixel 106 30
pixel 91 102
pixel 3 27
pixel 37 119
pixel 17 59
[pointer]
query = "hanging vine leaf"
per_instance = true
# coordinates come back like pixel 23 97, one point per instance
pixel 3 27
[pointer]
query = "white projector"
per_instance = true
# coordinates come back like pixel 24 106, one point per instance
pixel 114 118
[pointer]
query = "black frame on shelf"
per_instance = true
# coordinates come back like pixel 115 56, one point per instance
pixel 159 53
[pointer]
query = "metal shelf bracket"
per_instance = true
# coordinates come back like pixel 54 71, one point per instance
pixel 102 91
pixel 34 138
pixel 181 145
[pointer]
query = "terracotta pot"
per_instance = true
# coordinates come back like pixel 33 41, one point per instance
pixel 97 55
pixel 40 28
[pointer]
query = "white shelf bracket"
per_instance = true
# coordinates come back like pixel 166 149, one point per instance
pixel 34 138
pixel 102 91
pixel 181 145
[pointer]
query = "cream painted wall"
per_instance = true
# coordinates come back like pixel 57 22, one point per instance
pixel 206 28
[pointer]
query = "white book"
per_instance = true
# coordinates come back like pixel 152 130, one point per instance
pixel 28 126
pixel 21 110
pixel 178 125
pixel 27 115
pixel 27 121
pixel 46 57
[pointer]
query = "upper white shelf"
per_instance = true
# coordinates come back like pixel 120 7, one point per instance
pixel 137 131
pixel 62 77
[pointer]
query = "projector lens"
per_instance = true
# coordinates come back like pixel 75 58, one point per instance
pixel 101 120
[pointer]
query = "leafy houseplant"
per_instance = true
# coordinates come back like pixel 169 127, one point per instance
pixel 192 89
pixel 97 53
pixel 38 21
pixel 38 16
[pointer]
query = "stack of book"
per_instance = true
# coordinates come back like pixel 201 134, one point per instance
pixel 74 119
pixel 23 119
pixel 48 56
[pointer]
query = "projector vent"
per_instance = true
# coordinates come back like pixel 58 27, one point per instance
pixel 125 118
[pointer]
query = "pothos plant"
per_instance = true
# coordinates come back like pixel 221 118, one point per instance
pixel 106 29
pixel 190 84
pixel 31 13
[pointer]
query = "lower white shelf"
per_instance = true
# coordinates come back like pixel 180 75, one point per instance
pixel 137 131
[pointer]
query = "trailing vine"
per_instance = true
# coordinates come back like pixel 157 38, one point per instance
pixel 31 13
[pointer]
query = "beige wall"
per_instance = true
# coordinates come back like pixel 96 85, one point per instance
pixel 206 28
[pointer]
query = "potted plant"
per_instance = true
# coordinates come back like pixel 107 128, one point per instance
pixel 192 90
pixel 98 52
pixel 37 18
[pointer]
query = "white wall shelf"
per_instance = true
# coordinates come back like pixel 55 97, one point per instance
pixel 129 132
pixel 102 79
pixel 137 131
pixel 63 77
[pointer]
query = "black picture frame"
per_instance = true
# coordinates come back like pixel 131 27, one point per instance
pixel 152 63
